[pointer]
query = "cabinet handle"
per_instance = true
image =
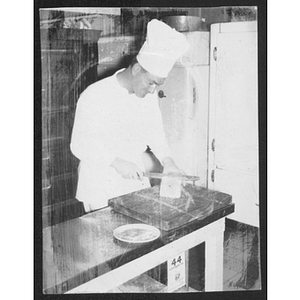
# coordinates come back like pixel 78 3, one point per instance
pixel 194 95
pixel 215 51
pixel 212 175
pixel 213 145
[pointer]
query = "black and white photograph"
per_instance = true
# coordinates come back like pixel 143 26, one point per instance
pixel 151 169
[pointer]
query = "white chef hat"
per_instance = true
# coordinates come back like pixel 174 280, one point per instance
pixel 163 46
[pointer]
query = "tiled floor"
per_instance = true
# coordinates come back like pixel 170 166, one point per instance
pixel 241 259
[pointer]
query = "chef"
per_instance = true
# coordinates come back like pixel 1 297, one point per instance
pixel 117 117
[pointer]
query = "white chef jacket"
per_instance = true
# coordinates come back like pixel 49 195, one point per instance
pixel 109 123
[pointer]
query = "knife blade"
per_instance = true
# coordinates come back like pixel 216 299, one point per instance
pixel 171 175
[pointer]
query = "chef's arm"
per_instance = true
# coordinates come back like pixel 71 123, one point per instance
pixel 127 169
pixel 130 170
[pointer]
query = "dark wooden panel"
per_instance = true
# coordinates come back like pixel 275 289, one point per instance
pixel 56 124
pixel 58 163
pixel 69 64
pixel 63 188
pixel 61 78
pixel 64 38
pixel 53 144
pixel 61 212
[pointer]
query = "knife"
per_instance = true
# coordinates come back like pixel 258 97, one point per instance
pixel 171 175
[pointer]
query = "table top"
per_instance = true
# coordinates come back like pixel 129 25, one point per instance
pixel 84 248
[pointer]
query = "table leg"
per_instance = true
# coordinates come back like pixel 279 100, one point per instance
pixel 214 262
pixel 187 270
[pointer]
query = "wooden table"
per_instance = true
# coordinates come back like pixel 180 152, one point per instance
pixel 81 255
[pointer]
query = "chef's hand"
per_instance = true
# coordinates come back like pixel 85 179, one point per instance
pixel 127 169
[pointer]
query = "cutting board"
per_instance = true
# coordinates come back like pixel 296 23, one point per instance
pixel 168 213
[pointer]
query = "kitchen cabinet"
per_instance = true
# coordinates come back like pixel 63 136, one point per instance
pixel 233 117
pixel 68 65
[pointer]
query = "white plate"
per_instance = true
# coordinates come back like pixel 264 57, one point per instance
pixel 136 233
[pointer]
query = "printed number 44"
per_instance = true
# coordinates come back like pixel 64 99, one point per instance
pixel 177 261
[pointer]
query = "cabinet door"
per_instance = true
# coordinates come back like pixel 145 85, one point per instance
pixel 233 117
